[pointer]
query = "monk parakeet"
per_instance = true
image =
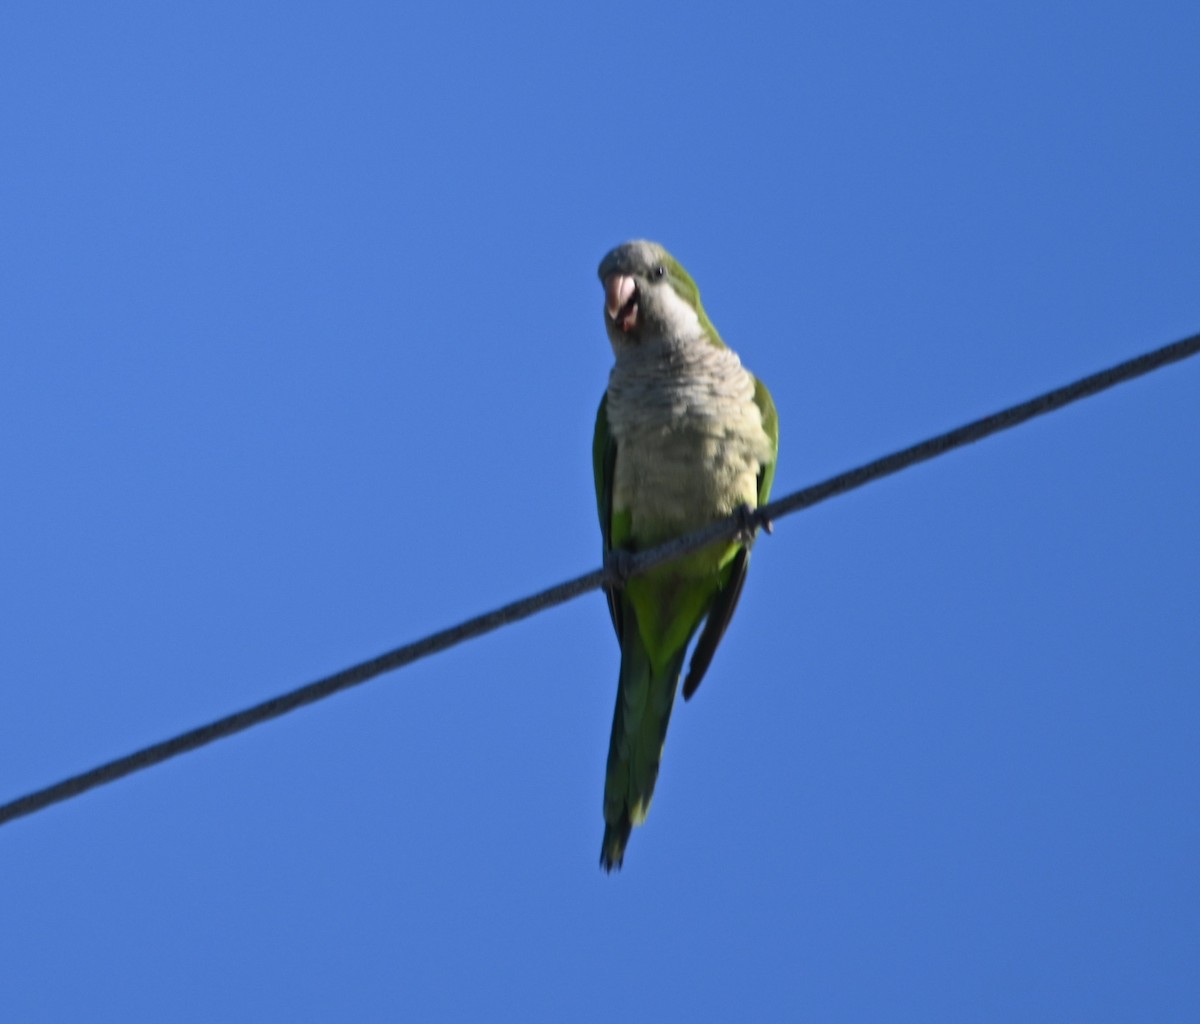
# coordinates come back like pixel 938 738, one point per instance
pixel 685 435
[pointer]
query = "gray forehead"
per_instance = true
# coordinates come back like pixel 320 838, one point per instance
pixel 632 258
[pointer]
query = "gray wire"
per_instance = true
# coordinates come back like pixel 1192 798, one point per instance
pixel 613 574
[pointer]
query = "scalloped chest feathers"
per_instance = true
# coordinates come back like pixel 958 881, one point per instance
pixel 690 438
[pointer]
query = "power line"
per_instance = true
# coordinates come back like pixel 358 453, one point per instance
pixel 613 574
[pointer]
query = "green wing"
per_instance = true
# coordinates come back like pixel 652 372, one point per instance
pixel 604 459
pixel 725 602
pixel 770 418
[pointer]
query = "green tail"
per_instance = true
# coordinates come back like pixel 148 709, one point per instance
pixel 644 702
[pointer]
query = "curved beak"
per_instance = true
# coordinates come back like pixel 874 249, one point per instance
pixel 621 301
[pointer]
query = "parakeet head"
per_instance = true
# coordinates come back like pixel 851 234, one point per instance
pixel 648 296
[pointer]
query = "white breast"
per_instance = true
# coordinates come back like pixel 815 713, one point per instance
pixel 690 438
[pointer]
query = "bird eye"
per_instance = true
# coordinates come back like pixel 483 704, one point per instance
pixel 660 271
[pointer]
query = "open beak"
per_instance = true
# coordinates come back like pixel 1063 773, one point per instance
pixel 621 301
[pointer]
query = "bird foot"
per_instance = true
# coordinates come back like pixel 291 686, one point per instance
pixel 749 521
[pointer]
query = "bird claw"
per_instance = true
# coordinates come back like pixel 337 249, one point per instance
pixel 748 523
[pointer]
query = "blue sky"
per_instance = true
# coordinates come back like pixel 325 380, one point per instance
pixel 300 350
